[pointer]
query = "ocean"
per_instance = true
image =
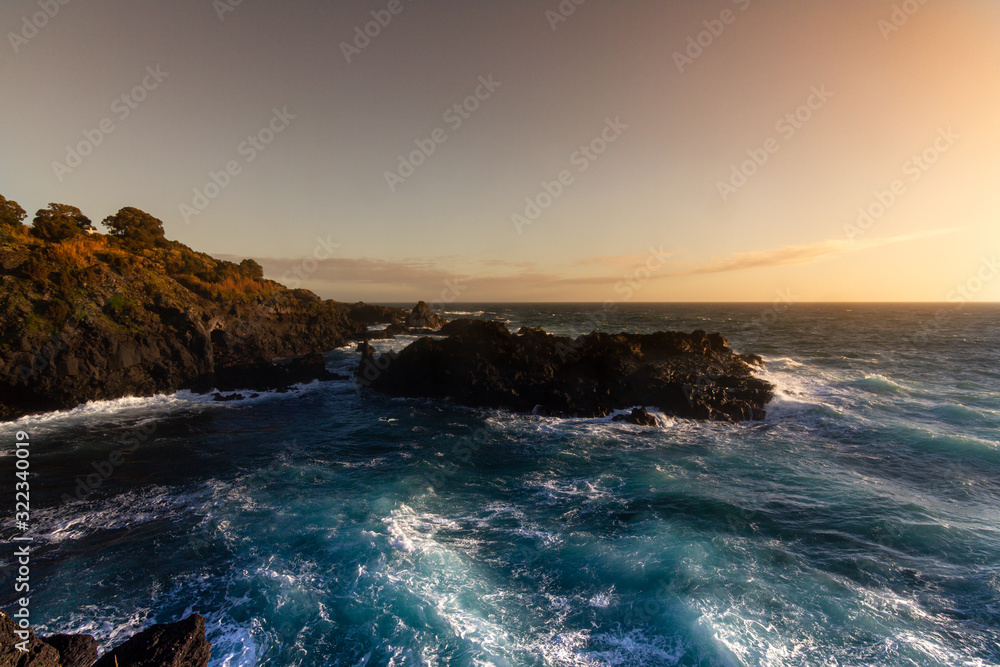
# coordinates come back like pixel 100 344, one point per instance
pixel 859 524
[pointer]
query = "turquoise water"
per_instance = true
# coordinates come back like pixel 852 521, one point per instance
pixel 859 524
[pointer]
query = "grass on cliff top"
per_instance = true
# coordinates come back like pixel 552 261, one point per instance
pixel 210 278
pixel 109 281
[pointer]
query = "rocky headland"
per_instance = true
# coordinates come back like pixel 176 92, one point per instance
pixel 87 316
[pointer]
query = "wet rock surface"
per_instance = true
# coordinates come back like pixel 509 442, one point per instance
pixel 638 416
pixel 482 364
pixel 180 644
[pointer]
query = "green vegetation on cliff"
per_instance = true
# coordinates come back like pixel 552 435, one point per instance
pixel 86 316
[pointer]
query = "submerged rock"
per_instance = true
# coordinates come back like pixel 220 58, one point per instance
pixel 638 416
pixel 226 398
pixel 482 364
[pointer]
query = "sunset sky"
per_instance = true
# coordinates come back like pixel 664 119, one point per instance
pixel 840 103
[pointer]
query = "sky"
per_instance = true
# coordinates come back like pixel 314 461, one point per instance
pixel 583 150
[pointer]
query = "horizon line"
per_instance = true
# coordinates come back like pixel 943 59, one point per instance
pixel 955 305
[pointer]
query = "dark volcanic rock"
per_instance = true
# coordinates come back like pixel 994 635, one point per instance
pixel 74 650
pixel 39 653
pixel 368 314
pixel 638 416
pixel 421 320
pixel 388 333
pixel 396 329
pixel 180 644
pixel 219 397
pixel 481 364
pixel 488 329
pixel 266 375
pixel 422 317
pixel 369 367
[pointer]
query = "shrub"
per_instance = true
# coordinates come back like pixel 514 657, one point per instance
pixel 64 279
pixel 36 268
pixel 251 269
pixel 11 214
pixel 184 262
pixel 57 311
pixel 116 261
pixel 139 227
pixel 121 309
pixel 33 324
pixel 77 252
pixel 58 222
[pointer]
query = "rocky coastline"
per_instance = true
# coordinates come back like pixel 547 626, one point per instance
pixel 179 644
pixel 92 317
pixel 86 317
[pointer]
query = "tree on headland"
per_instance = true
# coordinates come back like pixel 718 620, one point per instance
pixel 11 213
pixel 251 269
pixel 58 222
pixel 136 226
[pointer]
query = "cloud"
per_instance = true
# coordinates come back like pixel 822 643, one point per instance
pixel 525 266
pixel 502 280
pixel 340 269
pixel 376 279
pixel 800 254
pixel 624 261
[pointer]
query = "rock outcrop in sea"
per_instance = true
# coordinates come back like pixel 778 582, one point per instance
pixel 482 364
pixel 422 317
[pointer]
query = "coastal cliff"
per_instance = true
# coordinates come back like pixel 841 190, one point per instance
pixel 86 316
